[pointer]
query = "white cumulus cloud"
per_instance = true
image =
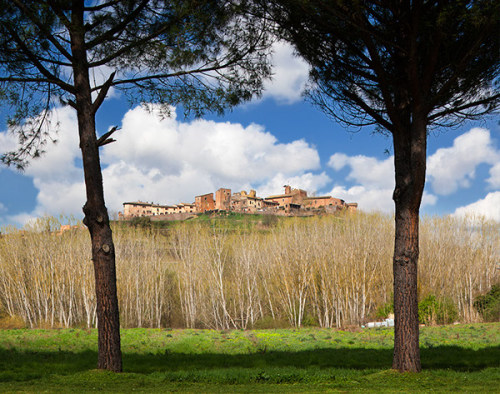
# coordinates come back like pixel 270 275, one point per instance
pixel 21 219
pixel 57 164
pixel 373 181
pixel 494 179
pixel 368 199
pixel 488 207
pixel 8 142
pixel 455 167
pixel 290 74
pixel 365 170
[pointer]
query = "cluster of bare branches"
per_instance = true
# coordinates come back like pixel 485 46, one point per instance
pixel 332 272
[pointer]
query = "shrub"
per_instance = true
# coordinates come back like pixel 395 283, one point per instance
pixel 309 321
pixel 269 220
pixel 141 222
pixel 10 322
pixel 385 310
pixel 432 310
pixel 488 305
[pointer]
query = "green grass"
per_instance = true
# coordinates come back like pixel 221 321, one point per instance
pixel 455 358
pixel 231 221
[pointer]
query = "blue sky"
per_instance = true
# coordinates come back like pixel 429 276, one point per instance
pixel 275 140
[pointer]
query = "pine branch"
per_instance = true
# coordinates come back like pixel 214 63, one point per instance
pixel 458 110
pixel 36 62
pixel 26 11
pixel 109 34
pixel 102 93
pixel 104 139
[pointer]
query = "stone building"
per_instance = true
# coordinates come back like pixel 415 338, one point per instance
pixel 184 207
pixel 352 206
pixel 246 202
pixel 270 206
pixel 323 201
pixel 294 201
pixel 204 203
pixel 223 199
pixel 291 200
pixel 172 209
pixel 139 208
pixel 291 196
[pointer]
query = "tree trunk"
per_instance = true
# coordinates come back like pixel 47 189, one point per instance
pixel 410 161
pixel 96 215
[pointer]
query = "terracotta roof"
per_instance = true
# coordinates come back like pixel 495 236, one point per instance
pixel 147 204
pixel 314 198
pixel 203 195
pixel 137 203
pixel 280 196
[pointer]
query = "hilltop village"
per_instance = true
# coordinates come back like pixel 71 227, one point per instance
pixel 294 202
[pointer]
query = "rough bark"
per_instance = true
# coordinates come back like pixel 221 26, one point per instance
pixel 96 215
pixel 410 162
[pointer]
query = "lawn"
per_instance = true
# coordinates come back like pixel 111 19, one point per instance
pixel 455 358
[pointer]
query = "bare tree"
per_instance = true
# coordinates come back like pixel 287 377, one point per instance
pixel 404 66
pixel 200 54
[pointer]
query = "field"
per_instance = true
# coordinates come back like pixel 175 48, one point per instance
pixel 455 358
pixel 250 304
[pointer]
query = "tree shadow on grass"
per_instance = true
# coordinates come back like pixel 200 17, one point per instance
pixel 440 357
pixel 18 365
